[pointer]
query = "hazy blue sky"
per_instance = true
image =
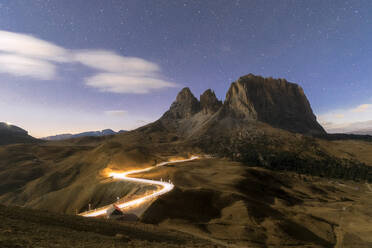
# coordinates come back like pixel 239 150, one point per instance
pixel 76 65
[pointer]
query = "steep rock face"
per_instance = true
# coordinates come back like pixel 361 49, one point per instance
pixel 185 106
pixel 251 98
pixel 238 104
pixel 273 101
pixel 209 102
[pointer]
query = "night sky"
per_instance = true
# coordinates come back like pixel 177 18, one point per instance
pixel 79 65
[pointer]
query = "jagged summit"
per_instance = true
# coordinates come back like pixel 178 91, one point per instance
pixel 209 102
pixel 185 105
pixel 276 102
pixel 185 95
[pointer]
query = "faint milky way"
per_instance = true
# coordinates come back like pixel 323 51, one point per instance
pixel 322 45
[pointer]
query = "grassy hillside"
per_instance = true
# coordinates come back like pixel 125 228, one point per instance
pixel 70 172
pixel 7 138
pixel 22 227
pixel 261 145
pixel 39 176
pixel 242 206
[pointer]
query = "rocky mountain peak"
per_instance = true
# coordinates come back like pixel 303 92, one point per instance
pixel 275 101
pixel 185 95
pixel 185 105
pixel 209 102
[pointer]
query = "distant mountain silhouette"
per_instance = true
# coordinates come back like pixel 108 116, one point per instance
pixel 10 134
pixel 84 134
pixel 361 132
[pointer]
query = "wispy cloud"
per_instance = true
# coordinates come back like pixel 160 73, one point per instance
pixel 122 83
pixel 362 108
pixel 30 46
pixel 351 127
pixel 121 74
pixel 24 66
pixel 26 55
pixel 111 62
pixel 354 119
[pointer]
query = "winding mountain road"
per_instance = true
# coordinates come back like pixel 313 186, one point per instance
pixel 164 188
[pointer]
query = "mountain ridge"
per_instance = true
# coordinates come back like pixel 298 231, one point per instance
pixel 65 136
pixel 251 98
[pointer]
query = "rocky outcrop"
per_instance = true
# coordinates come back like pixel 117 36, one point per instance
pixel 274 101
pixel 209 102
pixel 185 106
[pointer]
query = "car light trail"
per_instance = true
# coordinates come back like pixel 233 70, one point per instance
pixel 164 187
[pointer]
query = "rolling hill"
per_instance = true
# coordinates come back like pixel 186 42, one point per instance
pixel 10 134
